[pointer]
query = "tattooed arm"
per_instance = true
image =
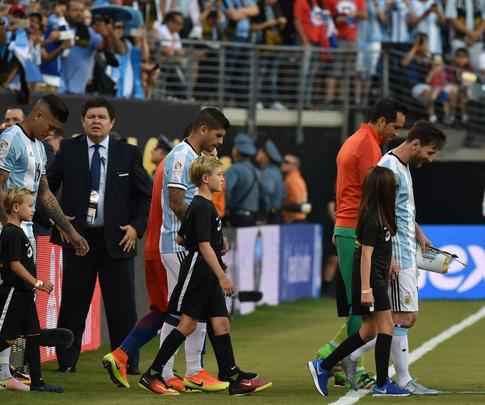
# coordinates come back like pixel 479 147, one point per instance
pixel 3 191
pixel 54 211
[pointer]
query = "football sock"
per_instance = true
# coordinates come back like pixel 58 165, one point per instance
pixel 168 349
pixel 32 355
pixel 224 354
pixel 167 328
pixel 356 355
pixel 400 355
pixel 348 346
pixel 354 322
pixel 382 353
pixel 194 346
pixel 144 331
pixel 5 364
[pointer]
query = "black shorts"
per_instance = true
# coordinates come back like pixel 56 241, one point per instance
pixel 380 288
pixel 197 293
pixel 18 314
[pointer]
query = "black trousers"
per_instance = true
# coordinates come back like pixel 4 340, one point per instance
pixel 116 278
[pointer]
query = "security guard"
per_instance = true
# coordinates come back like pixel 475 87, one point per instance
pixel 269 160
pixel 243 184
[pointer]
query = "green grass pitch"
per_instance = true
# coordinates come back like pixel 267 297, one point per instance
pixel 277 342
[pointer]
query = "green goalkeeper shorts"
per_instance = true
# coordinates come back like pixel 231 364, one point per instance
pixel 345 243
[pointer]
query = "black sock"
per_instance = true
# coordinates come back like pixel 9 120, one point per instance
pixel 224 354
pixel 168 349
pixel 348 346
pixel 32 355
pixel 382 353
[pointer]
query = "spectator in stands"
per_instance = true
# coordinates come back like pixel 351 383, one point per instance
pixel 441 90
pixel 396 24
pixel 267 29
pixel 238 14
pixel 57 40
pixel 213 21
pixel 417 63
pixel 128 75
pixel 173 53
pixel 428 17
pixel 346 15
pixel 78 62
pixel 272 189
pixel 315 27
pixel 467 19
pixel 20 62
pixel 369 49
pixel 295 206
pixel 190 11
pixel 458 71
pixel 13 115
pixel 242 184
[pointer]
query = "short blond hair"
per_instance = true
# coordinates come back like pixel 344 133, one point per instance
pixel 14 196
pixel 201 166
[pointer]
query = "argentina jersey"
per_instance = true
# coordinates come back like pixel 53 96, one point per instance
pixel 176 175
pixel 404 242
pixel 23 158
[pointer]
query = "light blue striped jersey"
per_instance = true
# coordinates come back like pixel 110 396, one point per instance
pixel 404 242
pixel 176 175
pixel 23 158
pixel 370 30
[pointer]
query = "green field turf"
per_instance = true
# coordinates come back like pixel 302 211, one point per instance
pixel 277 342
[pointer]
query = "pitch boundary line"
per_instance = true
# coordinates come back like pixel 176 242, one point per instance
pixel 353 397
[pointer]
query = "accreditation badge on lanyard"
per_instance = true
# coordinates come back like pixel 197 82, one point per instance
pixel 93 206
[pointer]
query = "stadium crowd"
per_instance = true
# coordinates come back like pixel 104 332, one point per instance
pixel 123 47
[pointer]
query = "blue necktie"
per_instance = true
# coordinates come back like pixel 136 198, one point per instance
pixel 95 168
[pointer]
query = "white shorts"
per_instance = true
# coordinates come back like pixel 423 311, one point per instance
pixel 403 291
pixel 172 262
pixel 368 59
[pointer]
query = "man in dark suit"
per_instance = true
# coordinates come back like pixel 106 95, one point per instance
pixel 107 191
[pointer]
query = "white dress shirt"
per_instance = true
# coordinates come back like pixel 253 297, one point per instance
pixel 103 153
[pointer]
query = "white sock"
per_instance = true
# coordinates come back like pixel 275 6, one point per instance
pixel 357 354
pixel 194 345
pixel 400 355
pixel 5 364
pixel 167 372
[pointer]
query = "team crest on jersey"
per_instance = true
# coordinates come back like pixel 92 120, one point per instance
pixel 3 148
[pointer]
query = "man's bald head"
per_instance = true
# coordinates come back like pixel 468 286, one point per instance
pixel 13 116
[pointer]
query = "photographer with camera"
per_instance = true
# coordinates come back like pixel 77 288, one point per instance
pixel 78 62
pixel 18 67
pixel 428 17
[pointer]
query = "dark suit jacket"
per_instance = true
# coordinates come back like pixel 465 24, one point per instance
pixel 127 195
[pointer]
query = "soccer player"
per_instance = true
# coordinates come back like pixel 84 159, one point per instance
pixel 372 262
pixel 23 164
pixel 207 132
pixel 116 362
pixel 201 286
pixel 357 155
pixel 17 291
pixel 422 145
pixel 13 115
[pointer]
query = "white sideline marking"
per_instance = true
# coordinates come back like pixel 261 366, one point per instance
pixel 354 396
